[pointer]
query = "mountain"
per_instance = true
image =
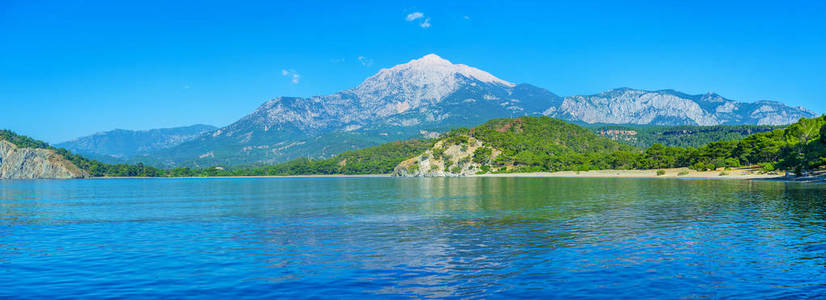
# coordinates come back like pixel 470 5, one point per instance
pixel 669 107
pixel 122 144
pixel 25 158
pixel 416 99
pixel 429 95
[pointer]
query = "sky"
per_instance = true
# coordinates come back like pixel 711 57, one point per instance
pixel 71 68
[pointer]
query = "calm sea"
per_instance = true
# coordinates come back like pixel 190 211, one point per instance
pixel 412 238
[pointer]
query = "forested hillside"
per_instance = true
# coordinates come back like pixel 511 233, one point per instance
pixel 645 136
pixel 372 160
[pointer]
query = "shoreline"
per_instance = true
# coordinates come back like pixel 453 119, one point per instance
pixel 261 176
pixel 746 173
pixel 740 173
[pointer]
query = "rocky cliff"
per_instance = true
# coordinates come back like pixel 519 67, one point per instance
pixel 30 163
pixel 446 158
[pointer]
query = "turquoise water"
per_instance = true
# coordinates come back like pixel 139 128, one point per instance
pixel 412 238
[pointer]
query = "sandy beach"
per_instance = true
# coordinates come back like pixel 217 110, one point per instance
pixel 747 173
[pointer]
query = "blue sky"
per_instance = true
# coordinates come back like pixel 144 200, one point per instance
pixel 72 68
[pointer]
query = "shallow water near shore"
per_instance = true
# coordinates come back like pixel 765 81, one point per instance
pixel 412 237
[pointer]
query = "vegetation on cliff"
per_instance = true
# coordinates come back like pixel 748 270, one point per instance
pixel 22 141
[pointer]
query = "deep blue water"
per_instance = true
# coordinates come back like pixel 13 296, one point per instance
pixel 412 238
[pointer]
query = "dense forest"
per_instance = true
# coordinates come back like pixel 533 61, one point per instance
pixel 379 159
pixel 645 136
pixel 527 144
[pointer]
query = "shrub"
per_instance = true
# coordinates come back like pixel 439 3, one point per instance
pixel 438 152
pixel 823 134
pixel 767 167
pixel 682 173
pixel 482 155
pixel 724 173
pixel 463 161
pixel 485 169
pixel 701 166
pixel 660 172
pixel 732 162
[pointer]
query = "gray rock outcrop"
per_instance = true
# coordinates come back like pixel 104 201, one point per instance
pixel 29 163
pixel 445 160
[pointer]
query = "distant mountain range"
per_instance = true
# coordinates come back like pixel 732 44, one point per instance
pixel 669 107
pixel 419 99
pixel 119 144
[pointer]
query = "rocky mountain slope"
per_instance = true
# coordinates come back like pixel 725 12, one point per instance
pixel 123 144
pixel 416 99
pixel 430 95
pixel 31 163
pixel 668 107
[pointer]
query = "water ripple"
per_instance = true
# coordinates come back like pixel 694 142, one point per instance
pixel 412 238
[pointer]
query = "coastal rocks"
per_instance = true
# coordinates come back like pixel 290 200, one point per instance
pixel 460 156
pixel 28 163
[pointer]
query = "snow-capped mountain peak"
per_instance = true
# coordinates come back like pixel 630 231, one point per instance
pixel 421 81
pixel 432 64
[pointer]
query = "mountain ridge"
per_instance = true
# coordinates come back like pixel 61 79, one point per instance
pixel 121 144
pixel 431 94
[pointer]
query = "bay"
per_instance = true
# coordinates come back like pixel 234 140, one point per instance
pixel 353 237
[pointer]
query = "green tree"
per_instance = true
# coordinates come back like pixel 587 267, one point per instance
pixel 823 134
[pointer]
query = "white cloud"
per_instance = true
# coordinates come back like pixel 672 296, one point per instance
pixel 413 16
pixel 467 18
pixel 365 61
pixel 294 77
pixel 186 87
pixel 426 23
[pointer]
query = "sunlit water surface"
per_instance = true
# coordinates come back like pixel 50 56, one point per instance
pixel 388 238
